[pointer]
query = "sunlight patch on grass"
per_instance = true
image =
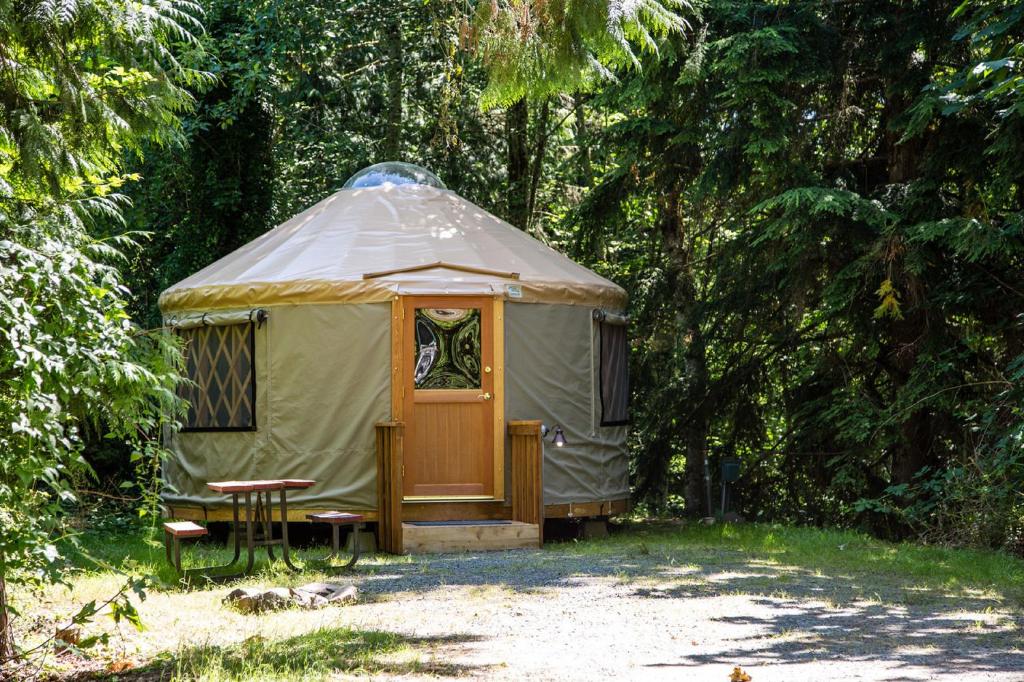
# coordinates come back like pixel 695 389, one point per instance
pixel 310 656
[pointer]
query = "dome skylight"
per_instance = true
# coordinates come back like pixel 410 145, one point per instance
pixel 393 173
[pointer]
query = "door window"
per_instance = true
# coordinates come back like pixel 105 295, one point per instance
pixel 447 348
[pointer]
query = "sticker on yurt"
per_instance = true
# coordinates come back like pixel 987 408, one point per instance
pixel 447 348
pixel 514 291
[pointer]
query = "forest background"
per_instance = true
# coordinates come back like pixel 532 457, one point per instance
pixel 816 207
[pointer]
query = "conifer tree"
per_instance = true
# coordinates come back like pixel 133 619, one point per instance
pixel 83 81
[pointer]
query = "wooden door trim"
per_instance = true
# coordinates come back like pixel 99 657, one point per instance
pixel 498 353
pixel 498 359
pixel 397 376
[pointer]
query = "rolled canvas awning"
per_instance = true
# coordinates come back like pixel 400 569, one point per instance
pixel 610 317
pixel 218 318
pixel 371 244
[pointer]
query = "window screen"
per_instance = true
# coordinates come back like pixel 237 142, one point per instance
pixel 614 374
pixel 219 364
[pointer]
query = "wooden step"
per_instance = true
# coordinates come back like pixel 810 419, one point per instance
pixel 437 537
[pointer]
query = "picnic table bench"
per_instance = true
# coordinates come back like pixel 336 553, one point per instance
pixel 174 531
pixel 336 521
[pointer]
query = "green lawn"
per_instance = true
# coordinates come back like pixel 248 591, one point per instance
pixel 832 552
pixel 190 634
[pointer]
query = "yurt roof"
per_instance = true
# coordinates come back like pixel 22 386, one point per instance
pixel 371 244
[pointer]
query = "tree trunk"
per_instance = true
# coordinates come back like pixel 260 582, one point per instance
pixel 516 122
pixel 914 449
pixel 695 430
pixel 653 467
pixel 537 164
pixel 393 135
pixel 909 335
pixel 584 172
pixel 6 635
pixel 695 422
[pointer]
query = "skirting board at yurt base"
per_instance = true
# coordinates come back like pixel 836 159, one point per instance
pixel 467 511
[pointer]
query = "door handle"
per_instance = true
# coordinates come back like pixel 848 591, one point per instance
pixel 484 396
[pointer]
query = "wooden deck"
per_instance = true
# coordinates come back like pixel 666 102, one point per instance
pixel 432 538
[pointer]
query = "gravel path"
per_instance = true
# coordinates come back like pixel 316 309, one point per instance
pixel 558 615
pixel 632 608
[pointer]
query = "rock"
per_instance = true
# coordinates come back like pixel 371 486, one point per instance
pixel 243 598
pixel 256 600
pixel 708 521
pixel 330 592
pixel 276 598
pixel 307 600
pixel 344 595
pixel 311 596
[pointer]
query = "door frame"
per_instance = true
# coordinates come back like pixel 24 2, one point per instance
pixel 400 358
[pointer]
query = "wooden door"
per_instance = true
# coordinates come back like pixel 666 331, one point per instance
pixel 448 397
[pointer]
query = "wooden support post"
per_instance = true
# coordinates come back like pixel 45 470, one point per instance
pixel 389 486
pixel 528 474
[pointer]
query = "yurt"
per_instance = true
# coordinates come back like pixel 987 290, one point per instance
pixel 395 304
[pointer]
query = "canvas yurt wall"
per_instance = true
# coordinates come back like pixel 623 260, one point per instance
pixel 322 379
pixel 553 363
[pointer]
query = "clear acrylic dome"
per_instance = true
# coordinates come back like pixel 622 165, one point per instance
pixel 393 173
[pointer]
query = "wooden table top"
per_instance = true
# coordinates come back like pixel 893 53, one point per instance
pixel 298 483
pixel 244 486
pixel 259 486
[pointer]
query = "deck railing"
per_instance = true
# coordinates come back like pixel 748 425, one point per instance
pixel 527 473
pixel 389 486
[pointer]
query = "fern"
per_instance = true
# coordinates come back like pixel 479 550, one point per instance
pixel 537 48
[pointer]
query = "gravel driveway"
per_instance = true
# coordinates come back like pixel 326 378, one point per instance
pixel 558 615
pixel 652 602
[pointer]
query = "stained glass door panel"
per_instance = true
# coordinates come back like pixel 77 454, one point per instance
pixel 447 348
pixel 448 402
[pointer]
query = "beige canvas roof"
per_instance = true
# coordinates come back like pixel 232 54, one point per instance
pixel 368 245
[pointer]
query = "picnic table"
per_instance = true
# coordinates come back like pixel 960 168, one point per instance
pixel 259 514
pixel 259 526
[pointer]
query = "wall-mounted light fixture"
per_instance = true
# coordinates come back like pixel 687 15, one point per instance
pixel 557 435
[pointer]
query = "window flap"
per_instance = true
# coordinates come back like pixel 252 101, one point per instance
pixel 614 374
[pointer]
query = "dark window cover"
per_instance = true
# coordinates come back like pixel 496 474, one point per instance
pixel 219 361
pixel 614 375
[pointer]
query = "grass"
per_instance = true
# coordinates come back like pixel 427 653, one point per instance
pixel 825 554
pixel 309 656
pixel 190 634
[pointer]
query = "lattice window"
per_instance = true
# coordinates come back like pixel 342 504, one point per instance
pixel 219 363
pixel 614 374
